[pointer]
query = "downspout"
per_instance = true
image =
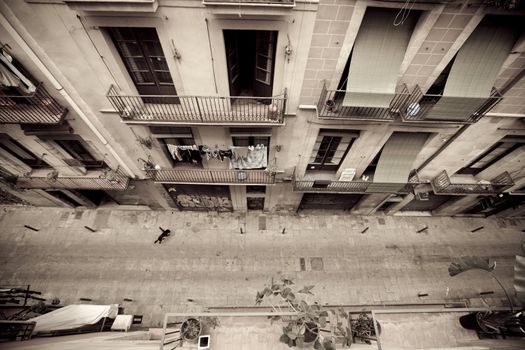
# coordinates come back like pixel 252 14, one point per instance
pixel 41 66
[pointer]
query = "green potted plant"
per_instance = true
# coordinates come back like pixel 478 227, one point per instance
pixel 306 328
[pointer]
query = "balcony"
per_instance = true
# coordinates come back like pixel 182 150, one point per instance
pixel 215 177
pixel 280 3
pixel 330 106
pixel 36 108
pixel 209 110
pixel 113 5
pixel 93 180
pixel 442 184
pixel 334 186
pixel 438 108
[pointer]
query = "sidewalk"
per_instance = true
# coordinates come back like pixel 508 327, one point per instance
pixel 206 262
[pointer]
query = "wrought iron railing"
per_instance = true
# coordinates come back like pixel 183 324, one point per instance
pixel 442 184
pixel 283 3
pixel 331 106
pixel 36 108
pixel 199 109
pixel 95 180
pixel 355 186
pixel 206 176
pixel 470 109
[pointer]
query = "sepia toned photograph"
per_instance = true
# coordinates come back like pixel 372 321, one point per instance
pixel 262 174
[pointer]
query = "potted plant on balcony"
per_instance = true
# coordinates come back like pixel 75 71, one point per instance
pixel 331 106
pixel 363 328
pixel 307 327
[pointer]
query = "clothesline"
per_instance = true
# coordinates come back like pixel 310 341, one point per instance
pixel 240 157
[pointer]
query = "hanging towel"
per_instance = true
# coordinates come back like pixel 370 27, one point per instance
pixel 174 152
pixel 256 158
pixel 239 152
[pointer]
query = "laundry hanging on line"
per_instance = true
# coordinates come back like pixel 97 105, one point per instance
pixel 241 157
pixel 251 157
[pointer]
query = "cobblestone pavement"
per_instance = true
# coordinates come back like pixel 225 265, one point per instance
pixel 207 262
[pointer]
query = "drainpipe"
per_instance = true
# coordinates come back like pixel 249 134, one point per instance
pixel 41 66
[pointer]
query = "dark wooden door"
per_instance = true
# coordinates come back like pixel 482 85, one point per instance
pixel 265 43
pixel 231 43
pixel 142 54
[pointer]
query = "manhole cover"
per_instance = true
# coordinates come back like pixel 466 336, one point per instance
pixel 317 264
pixel 381 221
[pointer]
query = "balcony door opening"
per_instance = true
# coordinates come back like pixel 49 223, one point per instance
pixel 142 54
pixel 250 59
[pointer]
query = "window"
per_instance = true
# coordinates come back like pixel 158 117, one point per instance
pixel 491 156
pixel 80 156
pixel 23 154
pixel 141 51
pixel 330 149
pixel 251 141
pixel 255 189
pixel 180 137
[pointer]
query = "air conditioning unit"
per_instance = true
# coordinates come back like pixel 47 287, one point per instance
pixel 347 174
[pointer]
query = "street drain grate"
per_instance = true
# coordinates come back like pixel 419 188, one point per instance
pixel 262 222
pixel 302 263
pixel 317 264
pixel 78 215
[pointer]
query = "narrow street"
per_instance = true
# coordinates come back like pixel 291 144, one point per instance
pixel 207 262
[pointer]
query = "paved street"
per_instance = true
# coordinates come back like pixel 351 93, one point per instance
pixel 208 263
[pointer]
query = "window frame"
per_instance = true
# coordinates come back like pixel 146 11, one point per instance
pixel 35 163
pixel 470 170
pixel 323 165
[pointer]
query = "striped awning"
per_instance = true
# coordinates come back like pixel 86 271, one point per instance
pixel 377 55
pixel 474 71
pixel 398 156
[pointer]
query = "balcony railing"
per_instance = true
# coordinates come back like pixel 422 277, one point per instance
pixel 96 180
pixel 332 186
pixel 36 108
pixel 330 106
pixel 199 109
pixel 442 184
pixel 467 110
pixel 202 176
pixel 281 3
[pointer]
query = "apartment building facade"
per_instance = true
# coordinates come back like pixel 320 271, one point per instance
pixel 364 106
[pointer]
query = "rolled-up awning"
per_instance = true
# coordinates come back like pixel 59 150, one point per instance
pixel 377 55
pixel 474 71
pixel 7 78
pixel 7 61
pixel 398 156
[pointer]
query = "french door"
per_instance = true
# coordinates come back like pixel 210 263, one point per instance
pixel 142 54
